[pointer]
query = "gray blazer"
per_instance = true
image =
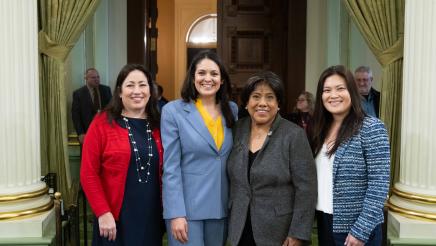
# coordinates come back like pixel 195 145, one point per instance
pixel 282 190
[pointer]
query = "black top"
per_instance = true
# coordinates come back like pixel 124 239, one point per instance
pixel 251 158
pixel 247 238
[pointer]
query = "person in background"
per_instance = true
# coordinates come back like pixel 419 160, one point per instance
pixel 371 97
pixel 303 112
pixel 122 164
pixel 197 138
pixel 161 99
pixel 353 163
pixel 271 172
pixel 87 101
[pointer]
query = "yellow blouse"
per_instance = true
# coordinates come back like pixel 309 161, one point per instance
pixel 215 127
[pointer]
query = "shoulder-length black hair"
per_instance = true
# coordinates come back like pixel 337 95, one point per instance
pixel 265 77
pixel 189 93
pixel 115 106
pixel 323 119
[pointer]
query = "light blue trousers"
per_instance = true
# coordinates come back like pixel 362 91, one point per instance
pixel 211 232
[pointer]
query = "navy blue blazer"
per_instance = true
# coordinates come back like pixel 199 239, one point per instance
pixel 194 182
pixel 361 171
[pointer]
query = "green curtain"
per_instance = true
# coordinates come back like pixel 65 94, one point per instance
pixel 381 23
pixel 61 23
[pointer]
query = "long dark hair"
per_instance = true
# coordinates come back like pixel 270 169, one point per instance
pixel 189 93
pixel 115 106
pixel 323 119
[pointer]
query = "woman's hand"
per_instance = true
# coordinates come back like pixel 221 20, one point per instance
pixel 352 241
pixel 107 226
pixel 292 242
pixel 179 229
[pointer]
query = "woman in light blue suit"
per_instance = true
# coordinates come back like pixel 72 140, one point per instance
pixel 197 139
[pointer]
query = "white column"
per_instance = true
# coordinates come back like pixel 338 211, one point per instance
pixel 21 190
pixel 414 196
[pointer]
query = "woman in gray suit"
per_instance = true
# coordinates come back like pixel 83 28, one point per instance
pixel 271 172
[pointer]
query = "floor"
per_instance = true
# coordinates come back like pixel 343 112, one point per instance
pixel 164 240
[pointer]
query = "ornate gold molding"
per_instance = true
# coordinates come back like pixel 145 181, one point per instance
pixel 414 197
pixel 23 196
pixel 26 213
pixel 73 140
pixel 73 143
pixel 412 213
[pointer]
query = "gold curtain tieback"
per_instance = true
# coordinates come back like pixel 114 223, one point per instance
pixel 53 49
pixel 392 53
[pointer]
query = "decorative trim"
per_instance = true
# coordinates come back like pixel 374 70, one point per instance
pixel 412 213
pixel 256 7
pixel 262 43
pixel 196 22
pixel 24 196
pixel 26 213
pixel 414 197
pixel 73 140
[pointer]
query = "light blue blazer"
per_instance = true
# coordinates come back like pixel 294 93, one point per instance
pixel 195 183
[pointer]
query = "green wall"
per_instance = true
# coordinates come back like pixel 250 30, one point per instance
pixel 102 45
pixel 332 38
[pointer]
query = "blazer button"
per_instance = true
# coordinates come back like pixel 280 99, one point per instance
pixel 218 158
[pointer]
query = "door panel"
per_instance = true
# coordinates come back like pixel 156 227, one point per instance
pixel 254 35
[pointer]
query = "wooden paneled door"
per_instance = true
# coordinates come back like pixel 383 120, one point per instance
pixel 256 35
pixel 141 22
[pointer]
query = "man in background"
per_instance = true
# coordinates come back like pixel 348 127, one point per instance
pixel 87 101
pixel 370 96
pixel 161 99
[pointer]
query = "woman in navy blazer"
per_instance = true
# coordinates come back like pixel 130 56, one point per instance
pixel 195 185
pixel 353 163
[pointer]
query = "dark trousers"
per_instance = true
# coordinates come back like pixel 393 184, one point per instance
pixel 247 238
pixel 326 237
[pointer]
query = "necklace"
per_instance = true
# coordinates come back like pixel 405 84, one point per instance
pixel 142 168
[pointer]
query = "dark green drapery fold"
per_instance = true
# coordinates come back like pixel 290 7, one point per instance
pixel 381 23
pixel 61 22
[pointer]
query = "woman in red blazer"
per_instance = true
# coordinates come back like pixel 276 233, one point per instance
pixel 122 164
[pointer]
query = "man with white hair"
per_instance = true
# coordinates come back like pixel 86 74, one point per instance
pixel 370 96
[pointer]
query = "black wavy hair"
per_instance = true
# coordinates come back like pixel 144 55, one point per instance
pixel 190 93
pixel 323 119
pixel 115 106
pixel 265 77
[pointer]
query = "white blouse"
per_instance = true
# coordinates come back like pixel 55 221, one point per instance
pixel 324 171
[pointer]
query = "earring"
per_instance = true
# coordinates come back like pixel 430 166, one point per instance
pixel 246 108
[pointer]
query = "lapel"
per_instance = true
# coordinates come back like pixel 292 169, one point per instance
pixel 339 155
pixel 243 138
pixel 196 121
pixel 228 140
pixel 246 137
pixel 103 95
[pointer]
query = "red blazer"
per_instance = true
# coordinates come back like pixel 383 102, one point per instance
pixel 105 162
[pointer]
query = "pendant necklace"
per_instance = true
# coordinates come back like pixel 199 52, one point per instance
pixel 142 168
